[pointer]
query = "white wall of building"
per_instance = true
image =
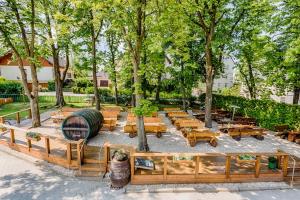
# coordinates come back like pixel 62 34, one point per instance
pixel 44 74
pixel 226 80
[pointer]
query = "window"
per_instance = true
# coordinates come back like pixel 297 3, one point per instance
pixel 68 75
pixel 103 83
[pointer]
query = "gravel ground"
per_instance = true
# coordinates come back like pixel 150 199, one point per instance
pixel 173 141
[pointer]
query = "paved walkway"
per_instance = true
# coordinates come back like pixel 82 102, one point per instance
pixel 25 178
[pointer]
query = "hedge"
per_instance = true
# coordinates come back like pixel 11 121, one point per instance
pixel 268 113
pixel 51 86
pixel 10 87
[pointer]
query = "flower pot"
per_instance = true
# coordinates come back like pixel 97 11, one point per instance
pixel 119 173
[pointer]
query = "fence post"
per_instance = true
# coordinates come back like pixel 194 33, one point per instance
pixel 78 153
pixel 227 167
pixel 18 117
pixel 47 145
pixel 285 165
pixel 69 152
pixel 2 122
pixel 165 167
pixel 132 164
pixel 257 166
pixel 29 144
pixel 12 136
pixel 197 166
pixel 29 113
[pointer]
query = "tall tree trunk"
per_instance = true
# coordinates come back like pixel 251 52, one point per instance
pixel 142 138
pixel 116 91
pixel 157 92
pixel 252 88
pixel 94 61
pixel 209 81
pixel 296 95
pixel 182 85
pixel 55 54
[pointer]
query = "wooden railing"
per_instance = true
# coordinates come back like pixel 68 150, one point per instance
pixel 164 176
pixel 45 152
pixel 17 115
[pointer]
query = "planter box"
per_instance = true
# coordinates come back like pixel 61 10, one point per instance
pixel 33 138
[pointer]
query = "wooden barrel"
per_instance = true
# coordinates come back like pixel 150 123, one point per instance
pixel 83 124
pixel 119 173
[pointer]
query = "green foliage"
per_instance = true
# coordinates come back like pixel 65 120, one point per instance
pixel 146 108
pixel 232 91
pixel 266 112
pixel 10 87
pixel 120 155
pixel 83 82
pixel 51 86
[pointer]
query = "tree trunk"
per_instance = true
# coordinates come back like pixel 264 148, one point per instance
pixel 94 61
pixel 157 99
pixel 35 112
pixel 55 54
pixel 142 138
pixel 116 92
pixel 209 82
pixel 296 95
pixel 182 86
pixel 252 88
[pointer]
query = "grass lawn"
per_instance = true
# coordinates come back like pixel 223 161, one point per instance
pixel 16 106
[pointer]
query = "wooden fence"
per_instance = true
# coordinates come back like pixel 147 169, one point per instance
pixel 66 153
pixel 17 115
pixel 207 168
pixel 5 100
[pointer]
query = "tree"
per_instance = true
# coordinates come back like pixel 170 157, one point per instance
pixel 21 39
pixel 132 23
pixel 216 20
pixel 90 17
pixel 57 24
pixel 113 57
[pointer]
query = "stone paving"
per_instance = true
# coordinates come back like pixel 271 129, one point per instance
pixel 24 178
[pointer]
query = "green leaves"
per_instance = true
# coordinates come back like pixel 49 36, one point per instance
pixel 145 108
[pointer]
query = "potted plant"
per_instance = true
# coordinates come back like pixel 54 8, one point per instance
pixel 119 169
pixel 272 163
pixel 33 136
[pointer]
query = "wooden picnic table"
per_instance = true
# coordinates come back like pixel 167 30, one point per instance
pixel 237 133
pixel 203 134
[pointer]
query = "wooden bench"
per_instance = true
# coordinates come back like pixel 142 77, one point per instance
pixel 109 123
pixel 58 116
pixel 132 119
pixel 196 135
pixel 171 109
pixel 293 136
pixel 178 114
pixel 190 123
pixel 237 133
pixel 110 114
pixel 152 125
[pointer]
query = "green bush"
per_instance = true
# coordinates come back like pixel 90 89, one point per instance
pixel 83 83
pixel 51 86
pixel 10 87
pixel 266 112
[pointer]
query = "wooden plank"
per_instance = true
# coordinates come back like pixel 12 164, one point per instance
pixel 47 146
pixel 227 166
pixel 197 166
pixel 165 167
pixel 12 136
pixel 257 166
pixel 285 165
pixel 18 117
pixel 29 144
pixel 78 155
pixel 69 152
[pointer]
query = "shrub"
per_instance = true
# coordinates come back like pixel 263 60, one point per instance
pixel 10 87
pixel 83 83
pixel 266 112
pixel 51 86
